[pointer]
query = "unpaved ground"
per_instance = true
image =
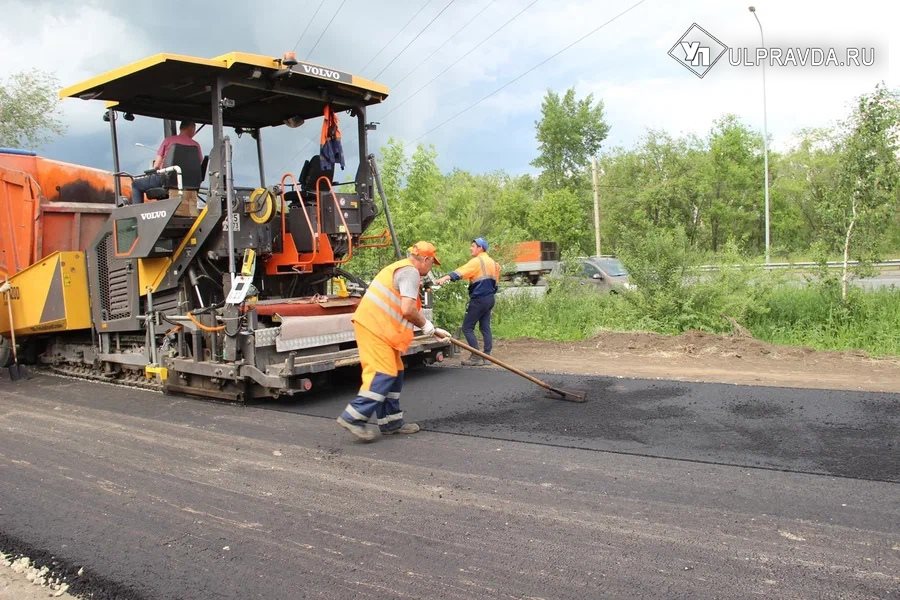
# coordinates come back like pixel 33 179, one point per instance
pixel 17 581
pixel 698 356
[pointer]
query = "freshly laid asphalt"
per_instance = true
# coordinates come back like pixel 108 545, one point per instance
pixel 650 489
pixel 848 434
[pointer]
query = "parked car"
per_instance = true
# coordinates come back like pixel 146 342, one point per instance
pixel 606 273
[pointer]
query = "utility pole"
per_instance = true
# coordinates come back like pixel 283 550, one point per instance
pixel 765 135
pixel 596 205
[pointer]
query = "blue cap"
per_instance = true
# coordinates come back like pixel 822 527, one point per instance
pixel 481 242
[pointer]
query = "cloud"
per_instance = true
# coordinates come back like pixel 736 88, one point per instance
pixel 70 43
pixel 625 64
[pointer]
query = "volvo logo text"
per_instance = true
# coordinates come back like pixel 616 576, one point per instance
pixel 320 72
pixel 156 214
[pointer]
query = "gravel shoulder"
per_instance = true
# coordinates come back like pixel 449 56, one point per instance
pixel 20 580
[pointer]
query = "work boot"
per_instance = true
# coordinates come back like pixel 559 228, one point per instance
pixel 473 361
pixel 405 428
pixel 360 431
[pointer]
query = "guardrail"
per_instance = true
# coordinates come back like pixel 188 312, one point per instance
pixel 834 264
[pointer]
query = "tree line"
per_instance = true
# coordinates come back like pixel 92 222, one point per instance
pixel 833 192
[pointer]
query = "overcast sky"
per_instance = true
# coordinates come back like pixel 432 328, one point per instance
pixel 624 63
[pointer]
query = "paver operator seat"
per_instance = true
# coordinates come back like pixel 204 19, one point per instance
pixel 193 172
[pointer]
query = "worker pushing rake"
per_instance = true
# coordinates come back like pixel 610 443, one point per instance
pixel 383 324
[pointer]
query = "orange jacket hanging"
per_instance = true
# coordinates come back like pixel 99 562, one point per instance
pixel 331 151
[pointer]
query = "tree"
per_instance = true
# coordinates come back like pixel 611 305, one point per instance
pixel 734 208
pixel 416 215
pixel 29 109
pixel 656 185
pixel 706 187
pixel 805 181
pixel 569 134
pixel 510 212
pixel 868 178
pixel 561 216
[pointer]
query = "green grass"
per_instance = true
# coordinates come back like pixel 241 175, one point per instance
pixel 816 317
pixel 562 315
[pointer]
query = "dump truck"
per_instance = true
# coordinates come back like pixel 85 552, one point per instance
pixel 210 287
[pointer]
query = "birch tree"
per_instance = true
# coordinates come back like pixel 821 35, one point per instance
pixel 868 178
pixel 29 109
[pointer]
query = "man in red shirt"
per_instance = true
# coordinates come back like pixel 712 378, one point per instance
pixel 185 137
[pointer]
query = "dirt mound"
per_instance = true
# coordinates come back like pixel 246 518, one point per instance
pixel 701 356
pixel 695 343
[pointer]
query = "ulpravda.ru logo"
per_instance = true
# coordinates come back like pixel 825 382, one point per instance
pixel 698 51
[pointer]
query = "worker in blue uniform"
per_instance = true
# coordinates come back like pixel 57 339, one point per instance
pixel 483 274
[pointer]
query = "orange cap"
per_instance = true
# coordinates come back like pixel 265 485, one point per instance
pixel 425 250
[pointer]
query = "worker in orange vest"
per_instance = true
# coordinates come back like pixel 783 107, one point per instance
pixel 383 324
pixel 483 274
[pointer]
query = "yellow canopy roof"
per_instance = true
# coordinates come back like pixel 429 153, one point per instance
pixel 265 93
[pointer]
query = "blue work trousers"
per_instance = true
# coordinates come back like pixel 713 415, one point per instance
pixel 479 311
pixel 143 183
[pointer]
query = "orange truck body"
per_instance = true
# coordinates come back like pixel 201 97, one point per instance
pixel 48 206
pixel 528 251
pixel 535 251
pixel 533 259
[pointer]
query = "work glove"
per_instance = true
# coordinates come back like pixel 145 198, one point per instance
pixel 428 328
pixel 441 334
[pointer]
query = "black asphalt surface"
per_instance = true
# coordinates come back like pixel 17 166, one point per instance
pixel 651 489
pixel 848 434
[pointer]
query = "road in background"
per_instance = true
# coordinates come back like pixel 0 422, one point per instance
pixel 650 489
pixel 886 279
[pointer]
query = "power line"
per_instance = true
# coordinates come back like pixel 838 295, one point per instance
pixel 451 65
pixel 439 48
pixel 435 18
pixel 303 147
pixel 333 17
pixel 308 23
pixel 396 35
pixel 546 60
pixel 349 137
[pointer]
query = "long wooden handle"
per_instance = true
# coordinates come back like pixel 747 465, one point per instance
pixel 12 326
pixel 500 363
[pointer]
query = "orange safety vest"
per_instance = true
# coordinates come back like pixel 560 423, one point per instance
pixel 483 274
pixel 379 310
pixel 492 272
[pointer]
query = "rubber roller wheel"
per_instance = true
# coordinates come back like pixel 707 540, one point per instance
pixel 262 206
